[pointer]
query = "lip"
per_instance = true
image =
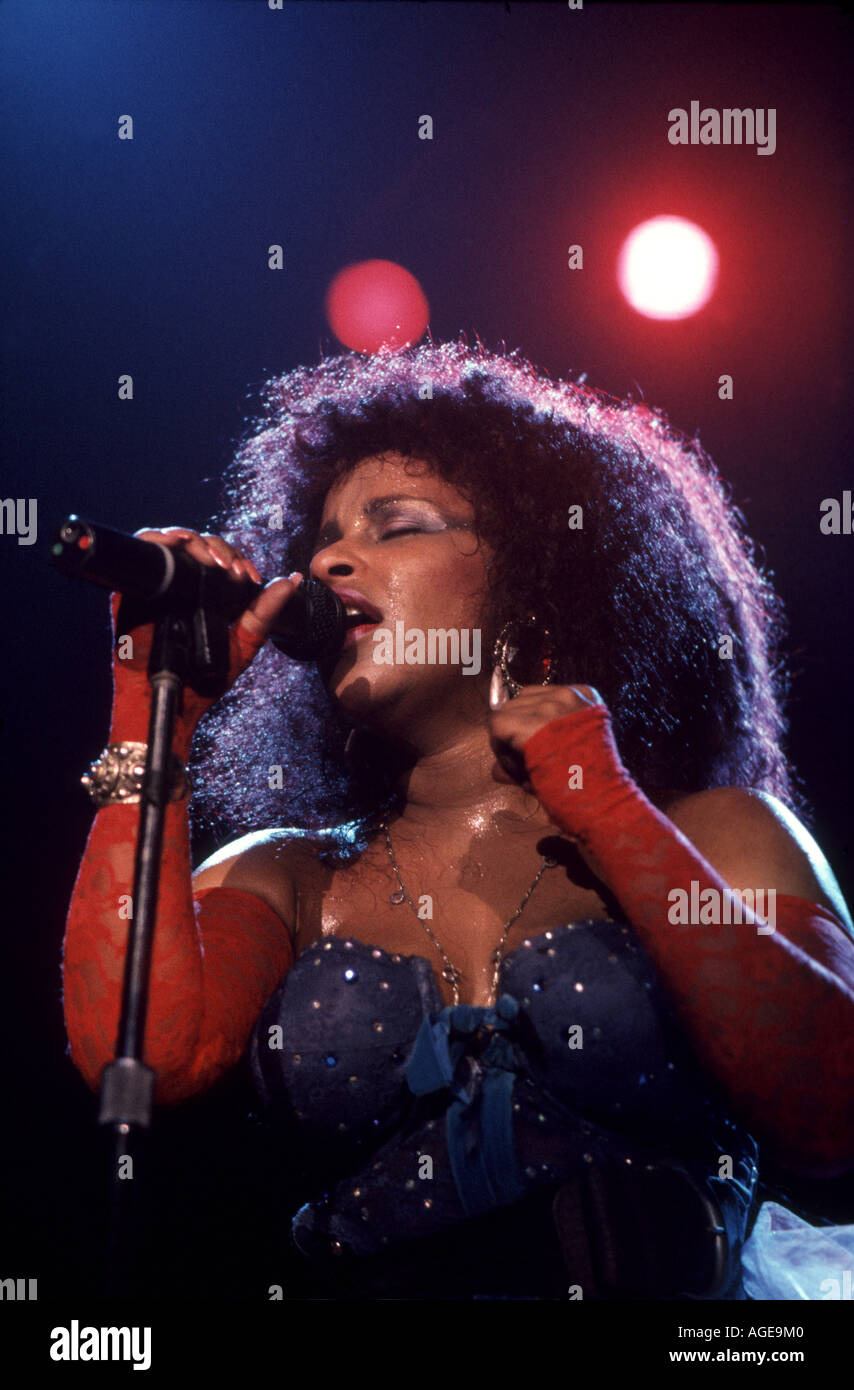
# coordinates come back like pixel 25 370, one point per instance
pixel 357 600
pixel 353 634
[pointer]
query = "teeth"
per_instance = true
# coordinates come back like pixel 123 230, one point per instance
pixel 354 613
pixel 355 617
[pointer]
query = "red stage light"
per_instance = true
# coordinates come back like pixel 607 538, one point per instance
pixel 376 304
pixel 667 268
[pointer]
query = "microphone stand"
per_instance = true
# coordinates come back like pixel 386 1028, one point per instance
pixel 186 648
pixel 190 646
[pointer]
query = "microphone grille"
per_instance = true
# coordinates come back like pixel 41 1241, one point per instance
pixel 319 623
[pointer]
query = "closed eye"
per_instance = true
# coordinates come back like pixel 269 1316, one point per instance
pixel 402 531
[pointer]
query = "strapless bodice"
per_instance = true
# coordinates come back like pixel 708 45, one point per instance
pixel 410 1116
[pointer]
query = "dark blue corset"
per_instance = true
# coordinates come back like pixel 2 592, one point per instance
pixel 414 1120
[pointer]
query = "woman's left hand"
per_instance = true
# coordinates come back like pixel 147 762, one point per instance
pixel 514 721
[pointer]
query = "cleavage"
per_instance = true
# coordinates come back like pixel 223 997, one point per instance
pixel 345 903
pixel 468 943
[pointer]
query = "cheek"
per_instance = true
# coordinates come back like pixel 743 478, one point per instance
pixel 447 594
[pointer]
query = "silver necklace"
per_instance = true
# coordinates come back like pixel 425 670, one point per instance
pixel 450 972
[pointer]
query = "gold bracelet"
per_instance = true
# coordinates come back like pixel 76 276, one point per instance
pixel 116 777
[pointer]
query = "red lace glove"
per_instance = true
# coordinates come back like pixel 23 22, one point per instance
pixel 771 1015
pixel 217 956
pixel 132 692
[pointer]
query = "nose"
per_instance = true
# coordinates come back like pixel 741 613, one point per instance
pixel 332 561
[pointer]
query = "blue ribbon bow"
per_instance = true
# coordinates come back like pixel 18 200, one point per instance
pixel 478 1122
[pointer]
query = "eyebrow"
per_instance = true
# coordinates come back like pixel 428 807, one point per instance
pixel 332 531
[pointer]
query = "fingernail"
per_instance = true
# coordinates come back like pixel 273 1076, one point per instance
pixel 295 577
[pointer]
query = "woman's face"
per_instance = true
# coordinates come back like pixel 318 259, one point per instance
pixel 397 534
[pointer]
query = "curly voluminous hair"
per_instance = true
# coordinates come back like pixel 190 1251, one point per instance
pixel 657 600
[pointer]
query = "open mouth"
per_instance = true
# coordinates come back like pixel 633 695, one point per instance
pixel 357 618
pixel 358 623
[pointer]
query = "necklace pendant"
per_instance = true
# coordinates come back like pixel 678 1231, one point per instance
pixel 397 897
pixel 451 975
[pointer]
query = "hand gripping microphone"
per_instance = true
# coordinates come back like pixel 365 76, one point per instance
pixel 311 625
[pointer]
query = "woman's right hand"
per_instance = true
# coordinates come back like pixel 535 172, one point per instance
pixel 246 636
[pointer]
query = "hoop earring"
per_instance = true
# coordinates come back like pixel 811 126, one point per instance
pixel 507 647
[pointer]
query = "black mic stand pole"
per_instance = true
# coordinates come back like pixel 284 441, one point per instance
pixel 181 647
pixel 190 646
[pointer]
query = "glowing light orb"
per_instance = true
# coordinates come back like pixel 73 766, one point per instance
pixel 376 304
pixel 667 268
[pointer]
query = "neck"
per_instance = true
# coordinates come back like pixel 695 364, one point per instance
pixel 452 789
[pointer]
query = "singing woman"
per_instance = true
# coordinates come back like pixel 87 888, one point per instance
pixel 452 943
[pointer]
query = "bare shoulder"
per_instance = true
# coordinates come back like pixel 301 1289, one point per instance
pixel 272 864
pixel 754 840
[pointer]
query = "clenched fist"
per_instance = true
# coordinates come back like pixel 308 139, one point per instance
pixel 513 721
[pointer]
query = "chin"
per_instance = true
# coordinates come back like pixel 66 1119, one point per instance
pixel 357 691
pixel 363 689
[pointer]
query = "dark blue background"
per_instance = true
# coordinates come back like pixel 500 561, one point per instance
pixel 254 127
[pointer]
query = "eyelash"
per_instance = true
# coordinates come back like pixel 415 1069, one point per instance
pixel 387 535
pixel 402 531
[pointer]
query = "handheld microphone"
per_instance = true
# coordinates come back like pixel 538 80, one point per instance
pixel 312 624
